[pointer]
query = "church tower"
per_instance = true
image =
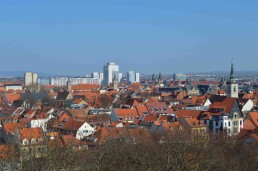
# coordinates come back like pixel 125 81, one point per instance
pixel 232 85
pixel 115 83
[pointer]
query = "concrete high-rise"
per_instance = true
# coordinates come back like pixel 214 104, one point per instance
pixel 132 77
pixel 30 78
pixel 110 71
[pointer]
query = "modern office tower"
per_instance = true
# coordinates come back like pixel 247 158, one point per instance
pixel 132 77
pixel 30 78
pixel 110 71
pixel 137 77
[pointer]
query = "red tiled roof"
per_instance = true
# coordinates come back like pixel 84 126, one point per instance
pixel 248 125
pixel 85 87
pixel 142 110
pixel 72 125
pixel 171 125
pixel 121 113
pixel 114 124
pixel 149 118
pixel 188 113
pixel 194 123
pixel 12 97
pixel 254 117
pixel 11 127
pixel 30 133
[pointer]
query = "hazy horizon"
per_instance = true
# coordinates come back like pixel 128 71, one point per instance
pixel 77 38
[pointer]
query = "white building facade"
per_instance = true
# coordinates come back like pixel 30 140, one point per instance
pixel 110 71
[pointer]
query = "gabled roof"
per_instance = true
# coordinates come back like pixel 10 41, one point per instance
pixel 12 97
pixel 62 95
pixel 126 112
pixel 221 102
pixel 11 127
pixel 114 124
pixel 85 87
pixel 78 113
pixel 142 110
pixel 72 125
pixel 149 118
pixel 254 118
pixel 188 113
pixel 171 126
pixel 71 140
pixel 191 123
pixel 248 125
pixel 30 133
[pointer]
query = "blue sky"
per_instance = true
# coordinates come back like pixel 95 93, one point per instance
pixel 168 36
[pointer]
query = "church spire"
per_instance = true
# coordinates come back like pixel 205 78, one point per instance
pixel 232 74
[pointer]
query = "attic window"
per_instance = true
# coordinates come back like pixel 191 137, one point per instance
pixel 25 142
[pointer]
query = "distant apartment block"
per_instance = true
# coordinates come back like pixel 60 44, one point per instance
pixel 62 81
pixel 30 78
pixel 44 81
pixel 132 77
pixel 13 87
pixel 110 71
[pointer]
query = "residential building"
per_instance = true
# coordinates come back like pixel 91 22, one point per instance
pixel 44 81
pixel 224 115
pixel 62 81
pixel 13 87
pixel 110 71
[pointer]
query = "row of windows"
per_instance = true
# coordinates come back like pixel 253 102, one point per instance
pixel 33 141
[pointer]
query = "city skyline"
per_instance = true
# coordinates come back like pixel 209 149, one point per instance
pixel 82 36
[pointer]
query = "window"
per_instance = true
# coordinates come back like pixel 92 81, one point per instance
pixel 235 130
pixel 235 122
pixel 225 124
pixel 240 122
pixel 33 141
pixel 234 89
pixel 229 123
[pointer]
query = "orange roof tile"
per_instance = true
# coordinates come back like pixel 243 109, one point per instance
pixel 11 127
pixel 72 125
pixel 171 125
pixel 121 113
pixel 188 113
pixel 31 133
pixel 248 125
pixel 85 87
pixel 12 97
pixel 142 110
pixel 254 116
pixel 194 123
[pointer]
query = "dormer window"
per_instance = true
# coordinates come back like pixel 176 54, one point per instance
pixel 25 142
pixel 33 141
